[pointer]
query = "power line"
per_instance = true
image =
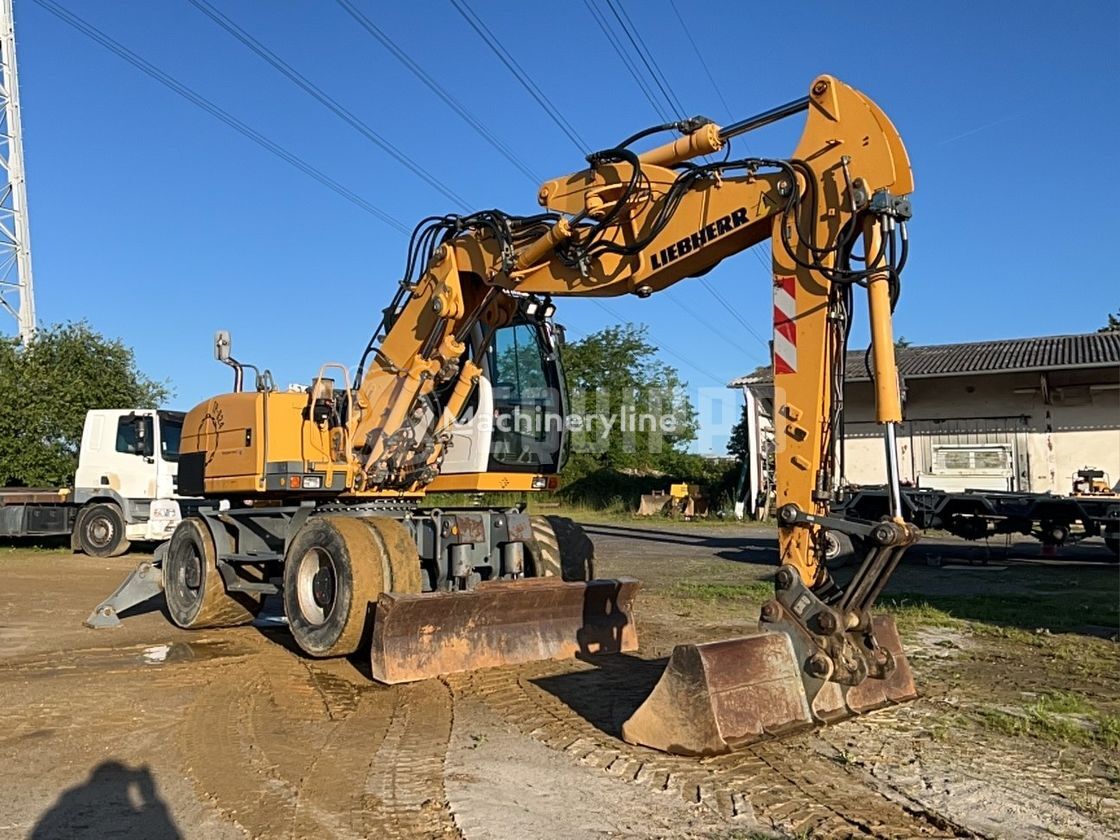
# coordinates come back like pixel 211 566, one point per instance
pixel 660 345
pixel 734 314
pixel 703 63
pixel 205 104
pixel 632 33
pixel 604 26
pixel 722 99
pixel 332 104
pixel 666 91
pixel 707 322
pixel 438 90
pixel 511 64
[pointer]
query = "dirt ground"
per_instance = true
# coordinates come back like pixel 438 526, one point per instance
pixel 149 731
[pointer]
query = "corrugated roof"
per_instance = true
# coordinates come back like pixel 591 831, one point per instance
pixel 1051 352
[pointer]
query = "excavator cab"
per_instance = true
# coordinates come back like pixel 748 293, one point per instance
pixel 516 418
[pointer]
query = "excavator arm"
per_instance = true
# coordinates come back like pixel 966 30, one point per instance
pixel 637 223
pixel 633 224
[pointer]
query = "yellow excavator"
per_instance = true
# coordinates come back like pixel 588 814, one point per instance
pixel 317 494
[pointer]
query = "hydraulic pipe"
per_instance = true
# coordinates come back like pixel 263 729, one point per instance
pixel 765 118
pixel 703 141
pixel 536 250
pixel 888 401
pixel 893 484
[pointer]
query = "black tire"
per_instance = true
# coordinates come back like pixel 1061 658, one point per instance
pixel 333 573
pixel 193 587
pixel 561 548
pixel 841 550
pixel 100 530
pixel 1113 545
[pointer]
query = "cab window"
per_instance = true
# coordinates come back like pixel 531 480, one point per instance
pixel 132 432
pixel 528 412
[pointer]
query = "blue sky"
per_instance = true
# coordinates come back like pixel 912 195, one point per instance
pixel 160 224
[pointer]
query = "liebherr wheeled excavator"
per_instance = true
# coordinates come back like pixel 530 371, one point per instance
pixel 318 495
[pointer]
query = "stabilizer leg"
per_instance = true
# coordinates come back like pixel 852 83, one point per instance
pixel 145 581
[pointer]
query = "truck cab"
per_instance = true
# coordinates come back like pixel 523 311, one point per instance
pixel 126 482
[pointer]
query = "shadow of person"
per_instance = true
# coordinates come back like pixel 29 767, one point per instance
pixel 115 801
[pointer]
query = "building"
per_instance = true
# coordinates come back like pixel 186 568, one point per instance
pixel 1018 414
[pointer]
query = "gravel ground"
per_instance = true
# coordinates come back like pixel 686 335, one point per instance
pixel 150 731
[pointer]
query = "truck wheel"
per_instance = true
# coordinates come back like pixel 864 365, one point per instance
pixel 841 549
pixel 561 548
pixel 100 530
pixel 333 572
pixel 193 587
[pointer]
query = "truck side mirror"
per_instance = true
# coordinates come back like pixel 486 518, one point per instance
pixel 143 438
pixel 222 345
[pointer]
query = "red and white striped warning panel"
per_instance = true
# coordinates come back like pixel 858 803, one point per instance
pixel 785 327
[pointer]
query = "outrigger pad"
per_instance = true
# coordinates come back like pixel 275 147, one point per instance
pixel 145 581
pixel 717 696
pixel 500 623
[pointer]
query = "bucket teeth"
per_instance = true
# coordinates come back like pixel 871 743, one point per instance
pixel 719 696
pixel 500 623
pixel 896 687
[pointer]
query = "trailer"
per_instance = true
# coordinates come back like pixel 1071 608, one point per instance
pixel 125 488
pixel 1052 519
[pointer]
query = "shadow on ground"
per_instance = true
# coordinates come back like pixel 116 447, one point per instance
pixel 608 694
pixel 750 546
pixel 115 801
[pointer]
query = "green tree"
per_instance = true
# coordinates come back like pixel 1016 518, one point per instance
pixel 738 440
pixel 1113 323
pixel 615 375
pixel 47 387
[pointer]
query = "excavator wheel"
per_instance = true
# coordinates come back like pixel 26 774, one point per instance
pixel 336 568
pixel 561 548
pixel 193 587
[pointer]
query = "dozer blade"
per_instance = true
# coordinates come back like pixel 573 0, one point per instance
pixel 720 696
pixel 500 623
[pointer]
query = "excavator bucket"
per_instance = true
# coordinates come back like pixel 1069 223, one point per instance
pixel 500 623
pixel 719 696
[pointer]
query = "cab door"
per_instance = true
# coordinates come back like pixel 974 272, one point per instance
pixel 529 404
pixel 118 454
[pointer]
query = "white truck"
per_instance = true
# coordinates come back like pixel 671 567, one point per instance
pixel 124 490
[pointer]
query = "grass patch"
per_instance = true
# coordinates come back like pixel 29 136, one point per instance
pixel 1060 717
pixel 911 612
pixel 753 591
pixel 1061 611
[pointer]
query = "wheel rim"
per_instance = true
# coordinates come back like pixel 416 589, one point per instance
pixel 100 531
pixel 316 585
pixel 188 574
pixel 831 547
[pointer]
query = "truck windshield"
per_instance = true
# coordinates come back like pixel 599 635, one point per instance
pixel 169 433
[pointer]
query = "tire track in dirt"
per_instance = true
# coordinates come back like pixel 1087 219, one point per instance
pixel 227 767
pixel 253 744
pixel 335 781
pixel 786 785
pixel 296 750
pixel 406 781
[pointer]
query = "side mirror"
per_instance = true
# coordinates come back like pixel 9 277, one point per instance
pixel 222 345
pixel 143 439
